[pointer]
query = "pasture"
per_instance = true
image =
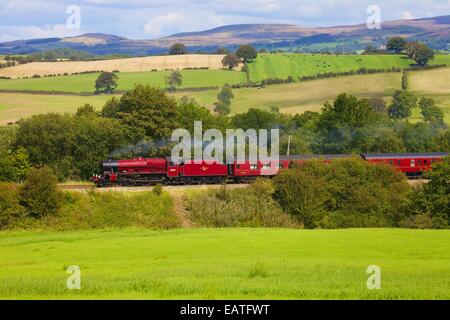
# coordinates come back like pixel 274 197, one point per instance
pixel 123 65
pixel 127 80
pixel 289 98
pixel 233 263
pixel 299 65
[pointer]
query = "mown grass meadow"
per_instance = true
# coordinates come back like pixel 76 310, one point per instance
pixel 283 65
pixel 236 263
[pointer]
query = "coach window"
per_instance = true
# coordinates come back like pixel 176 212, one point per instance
pixel 425 162
pixel 419 163
pixel 238 166
pixel 413 163
pixel 399 162
pixel 266 166
pixel 253 167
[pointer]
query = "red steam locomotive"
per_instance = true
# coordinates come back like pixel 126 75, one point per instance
pixel 143 171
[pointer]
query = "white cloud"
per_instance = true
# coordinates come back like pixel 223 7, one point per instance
pixel 9 33
pixel 407 15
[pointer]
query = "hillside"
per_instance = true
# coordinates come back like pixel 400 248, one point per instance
pixel 434 31
pixel 300 65
pixel 289 98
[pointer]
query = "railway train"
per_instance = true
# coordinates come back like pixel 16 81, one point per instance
pixel 151 171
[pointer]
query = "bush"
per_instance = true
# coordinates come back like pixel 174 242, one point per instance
pixel 431 202
pixel 250 206
pixel 10 208
pixel 97 210
pixel 39 194
pixel 343 194
pixel 157 190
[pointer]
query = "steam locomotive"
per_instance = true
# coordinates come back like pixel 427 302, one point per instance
pixel 152 171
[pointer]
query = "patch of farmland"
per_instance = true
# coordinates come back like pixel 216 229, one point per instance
pixel 300 65
pixel 229 263
pixel 123 65
pixel 127 80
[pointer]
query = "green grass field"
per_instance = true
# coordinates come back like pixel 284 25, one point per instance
pixel 299 65
pixel 127 80
pixel 226 264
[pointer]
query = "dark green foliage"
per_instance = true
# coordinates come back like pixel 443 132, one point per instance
pixel 419 52
pixel 177 49
pixel 174 80
pixel 247 53
pixel 256 119
pixel 405 80
pixel 39 194
pixel 150 109
pixel 402 104
pixel 14 165
pixel 190 111
pixel 86 111
pixel 71 145
pixel 231 61
pixel 378 105
pixel 106 82
pixel 111 108
pixel 345 193
pixel 157 190
pixel 342 124
pixel 223 106
pixel 396 44
pixel 430 204
pixel 431 112
pixel 10 208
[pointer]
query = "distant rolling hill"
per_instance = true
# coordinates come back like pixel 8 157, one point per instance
pixel 434 31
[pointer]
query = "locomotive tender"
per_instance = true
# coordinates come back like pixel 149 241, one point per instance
pixel 151 171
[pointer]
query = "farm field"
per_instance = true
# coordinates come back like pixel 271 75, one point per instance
pixel 123 65
pixel 291 98
pixel 226 264
pixel 299 65
pixel 127 80
pixel 16 106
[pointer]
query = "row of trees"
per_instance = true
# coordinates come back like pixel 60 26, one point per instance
pixel 142 120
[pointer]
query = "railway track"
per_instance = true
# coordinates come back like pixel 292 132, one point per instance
pixel 86 187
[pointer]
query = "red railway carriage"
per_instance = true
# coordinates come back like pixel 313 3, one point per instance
pixel 142 171
pixel 412 164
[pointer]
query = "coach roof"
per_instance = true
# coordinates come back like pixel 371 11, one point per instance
pixel 404 155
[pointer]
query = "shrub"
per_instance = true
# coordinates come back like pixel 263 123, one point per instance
pixel 112 210
pixel 10 208
pixel 157 190
pixel 250 206
pixel 39 194
pixel 345 193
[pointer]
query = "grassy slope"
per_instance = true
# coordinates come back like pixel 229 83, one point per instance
pixel 310 95
pixel 16 106
pixel 127 80
pixel 227 263
pixel 298 65
pixel 434 84
pixel 293 98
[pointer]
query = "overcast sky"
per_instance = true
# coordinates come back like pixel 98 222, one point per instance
pixel 147 19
